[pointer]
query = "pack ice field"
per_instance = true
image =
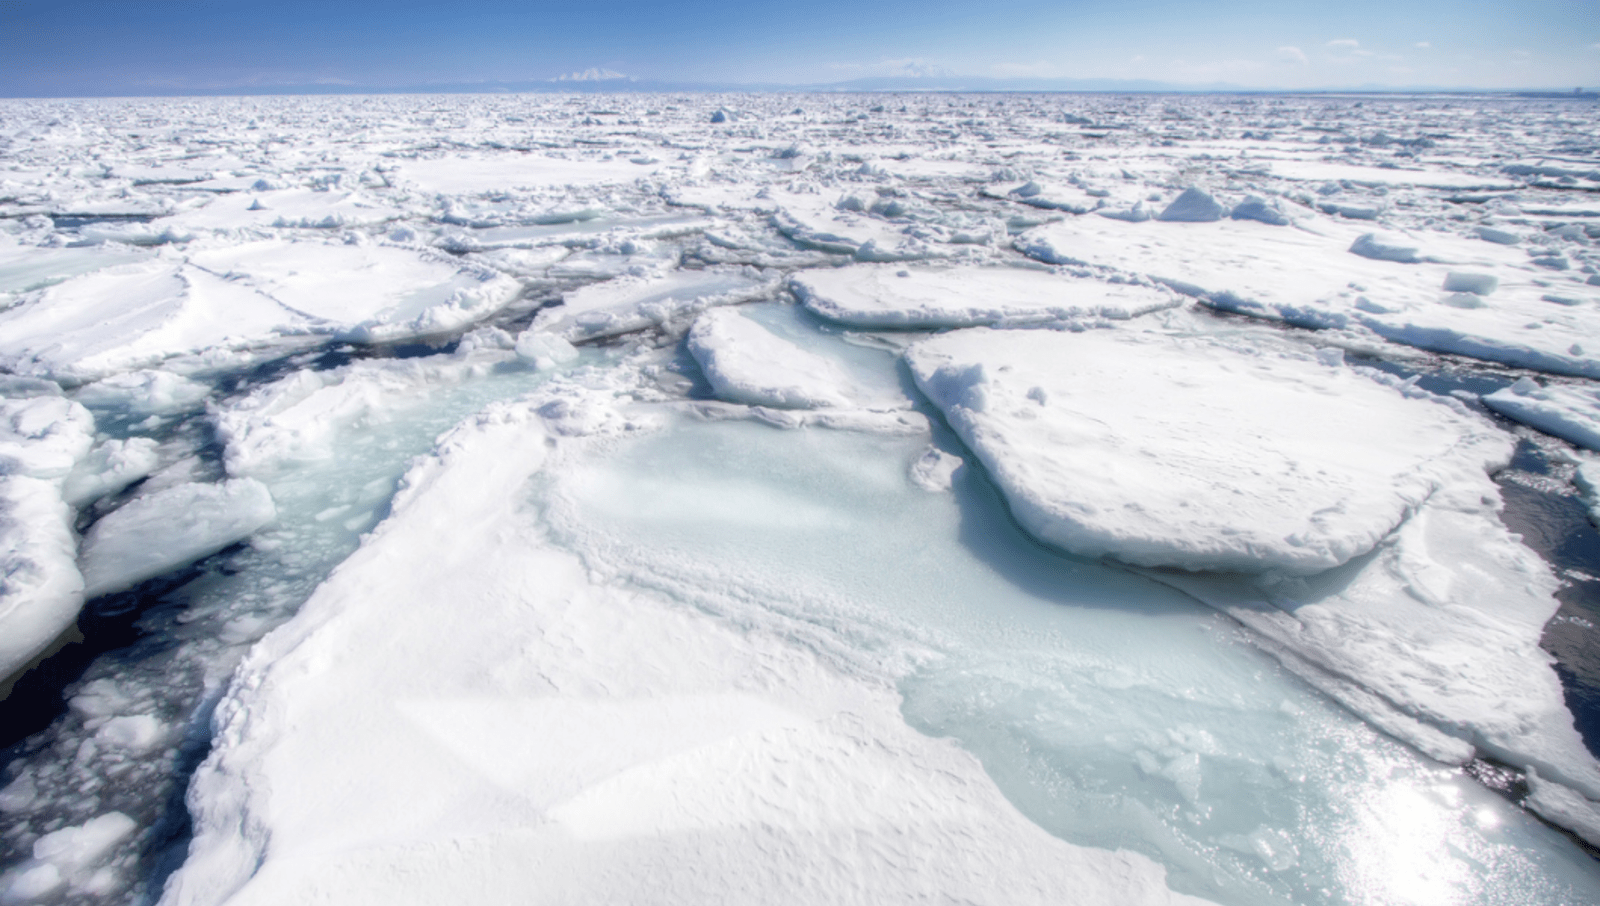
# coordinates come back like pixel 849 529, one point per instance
pixel 813 498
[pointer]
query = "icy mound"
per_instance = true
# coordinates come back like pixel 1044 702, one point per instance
pixel 1569 411
pixel 71 858
pixel 132 315
pixel 627 304
pixel 746 363
pixel 583 740
pixel 41 439
pixel 168 529
pixel 1195 453
pixel 885 296
pixel 1193 206
pixel 369 293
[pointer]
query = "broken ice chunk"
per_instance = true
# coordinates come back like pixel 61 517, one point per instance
pixel 746 363
pixel 156 534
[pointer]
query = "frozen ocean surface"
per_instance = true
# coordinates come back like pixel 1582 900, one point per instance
pixel 685 498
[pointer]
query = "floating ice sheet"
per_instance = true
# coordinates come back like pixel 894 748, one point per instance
pixel 1196 453
pixel 891 296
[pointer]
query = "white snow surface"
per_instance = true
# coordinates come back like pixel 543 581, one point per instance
pixel 877 296
pixel 159 532
pixel 1196 452
pixel 580 741
pixel 1569 411
pixel 745 363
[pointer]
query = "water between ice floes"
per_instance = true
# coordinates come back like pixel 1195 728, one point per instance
pixel 1111 710
pixel 189 630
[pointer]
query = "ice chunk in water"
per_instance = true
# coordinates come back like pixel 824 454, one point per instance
pixel 1569 411
pixel 152 535
pixel 109 468
pixel 1195 453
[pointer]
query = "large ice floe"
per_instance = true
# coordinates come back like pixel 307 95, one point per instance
pixel 802 498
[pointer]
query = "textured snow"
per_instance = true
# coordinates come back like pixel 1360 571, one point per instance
pixel 889 296
pixel 159 532
pixel 655 753
pixel 1193 452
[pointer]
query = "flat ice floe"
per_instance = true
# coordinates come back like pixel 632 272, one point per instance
pixel 746 363
pixel 1313 275
pixel 1570 412
pixel 366 292
pixel 877 296
pixel 135 315
pixel 1195 452
pixel 573 740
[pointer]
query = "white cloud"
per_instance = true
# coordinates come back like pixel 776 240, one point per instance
pixel 908 68
pixel 1344 44
pixel 591 74
pixel 1423 45
pixel 1292 54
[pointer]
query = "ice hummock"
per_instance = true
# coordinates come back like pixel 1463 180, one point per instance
pixel 1194 452
pixel 876 296
pixel 631 303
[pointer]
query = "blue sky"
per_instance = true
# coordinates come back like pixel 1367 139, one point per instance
pixel 92 47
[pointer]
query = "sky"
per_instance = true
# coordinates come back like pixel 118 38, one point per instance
pixel 120 47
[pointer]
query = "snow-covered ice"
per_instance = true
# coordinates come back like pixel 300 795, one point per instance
pixel 1569 411
pixel 154 534
pixel 1194 452
pixel 840 497
pixel 889 296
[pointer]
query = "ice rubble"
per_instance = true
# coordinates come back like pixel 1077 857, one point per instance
pixel 879 296
pixel 573 739
pixel 41 590
pixel 1363 508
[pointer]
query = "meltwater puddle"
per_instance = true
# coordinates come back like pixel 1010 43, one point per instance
pixel 136 721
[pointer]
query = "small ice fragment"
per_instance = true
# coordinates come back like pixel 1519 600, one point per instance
pixel 1193 206
pixel 1524 386
pixel 1464 300
pixel 137 733
pixel 1255 207
pixel 935 469
pixel 72 849
pixel 1498 236
pixel 1467 282
pixel 543 350
pixel 1371 245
